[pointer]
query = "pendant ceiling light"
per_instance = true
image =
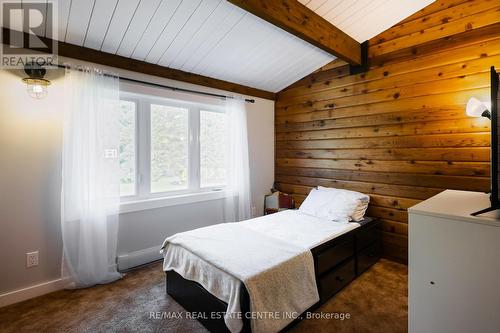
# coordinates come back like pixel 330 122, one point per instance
pixel 36 85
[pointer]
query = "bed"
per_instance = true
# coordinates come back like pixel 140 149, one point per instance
pixel 340 252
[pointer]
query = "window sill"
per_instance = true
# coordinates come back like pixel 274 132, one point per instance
pixel 138 205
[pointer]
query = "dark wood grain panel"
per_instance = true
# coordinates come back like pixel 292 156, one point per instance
pixel 435 19
pixel 395 246
pixel 460 182
pixel 480 154
pixel 327 111
pixel 375 199
pixel 438 6
pixel 387 213
pixel 462 56
pixel 303 185
pixel 414 167
pixel 397 132
pixel 337 97
pixel 420 141
pixel 431 114
pixel 394 227
pixel 446 29
pixel 454 70
pixel 465 125
pixel 445 44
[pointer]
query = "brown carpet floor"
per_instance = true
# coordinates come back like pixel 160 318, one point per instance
pixel 376 302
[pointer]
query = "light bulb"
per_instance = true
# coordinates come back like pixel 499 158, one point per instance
pixel 36 88
pixel 37 91
pixel 476 108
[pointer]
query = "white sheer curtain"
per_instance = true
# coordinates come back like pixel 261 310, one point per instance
pixel 90 177
pixel 238 199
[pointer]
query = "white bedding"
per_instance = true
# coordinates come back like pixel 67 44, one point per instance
pixel 301 229
pixel 292 235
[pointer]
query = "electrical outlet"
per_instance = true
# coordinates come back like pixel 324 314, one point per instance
pixel 32 259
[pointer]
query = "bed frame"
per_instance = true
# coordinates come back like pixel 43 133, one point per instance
pixel 336 263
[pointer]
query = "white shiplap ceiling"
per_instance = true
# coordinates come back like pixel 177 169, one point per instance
pixel 364 19
pixel 215 38
pixel 208 37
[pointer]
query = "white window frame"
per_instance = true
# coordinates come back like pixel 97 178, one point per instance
pixel 144 198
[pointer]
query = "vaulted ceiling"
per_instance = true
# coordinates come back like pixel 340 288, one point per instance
pixel 217 39
pixel 364 19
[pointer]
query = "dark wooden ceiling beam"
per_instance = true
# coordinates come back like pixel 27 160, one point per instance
pixel 113 60
pixel 297 19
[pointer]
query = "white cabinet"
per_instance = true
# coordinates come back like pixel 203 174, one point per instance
pixel 454 265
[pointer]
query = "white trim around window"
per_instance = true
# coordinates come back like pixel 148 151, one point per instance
pixel 144 198
pixel 144 204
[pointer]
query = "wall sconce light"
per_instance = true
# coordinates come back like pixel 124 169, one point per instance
pixel 36 85
pixel 476 108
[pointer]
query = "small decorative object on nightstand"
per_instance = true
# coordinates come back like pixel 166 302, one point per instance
pixel 278 201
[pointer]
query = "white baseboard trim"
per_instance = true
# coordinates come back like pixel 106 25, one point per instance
pixel 125 261
pixel 138 258
pixel 30 292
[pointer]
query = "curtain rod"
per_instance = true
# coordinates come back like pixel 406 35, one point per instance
pixel 175 88
pixel 183 89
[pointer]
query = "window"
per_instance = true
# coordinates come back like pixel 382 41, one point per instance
pixel 170 148
pixel 127 148
pixel 212 148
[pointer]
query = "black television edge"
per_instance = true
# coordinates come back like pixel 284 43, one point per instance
pixel 495 177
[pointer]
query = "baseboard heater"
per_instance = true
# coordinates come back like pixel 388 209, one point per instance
pixel 138 258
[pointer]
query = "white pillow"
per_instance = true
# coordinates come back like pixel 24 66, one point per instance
pixel 335 205
pixel 362 201
pixel 359 212
pixel 326 205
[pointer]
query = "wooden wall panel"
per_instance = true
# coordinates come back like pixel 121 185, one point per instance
pixel 398 131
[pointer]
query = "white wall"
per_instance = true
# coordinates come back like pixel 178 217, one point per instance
pixel 30 161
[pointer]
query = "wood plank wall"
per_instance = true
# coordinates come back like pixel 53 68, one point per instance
pixel 399 131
